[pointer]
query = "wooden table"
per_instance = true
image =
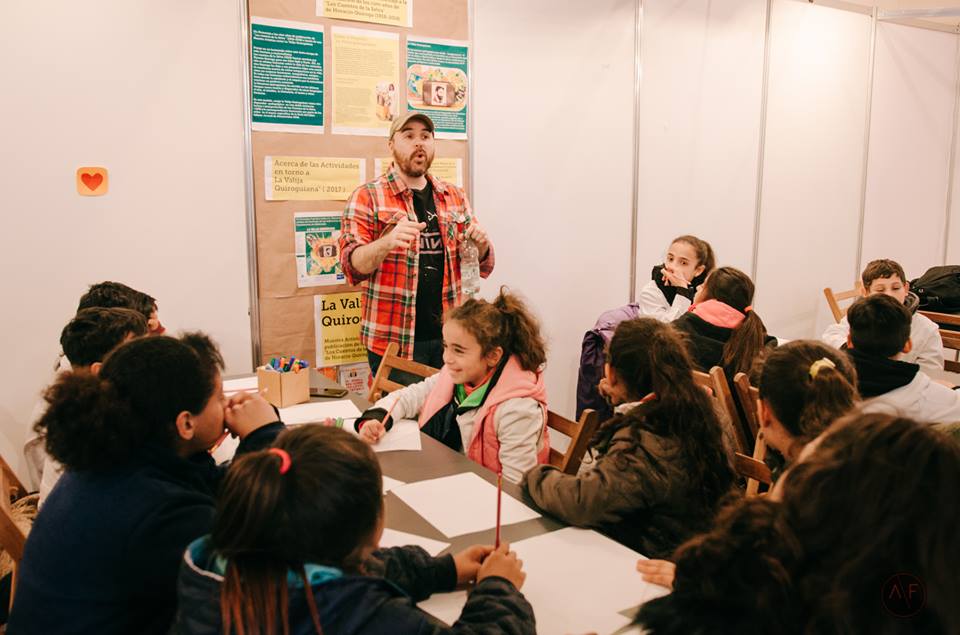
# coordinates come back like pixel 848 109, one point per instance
pixel 435 460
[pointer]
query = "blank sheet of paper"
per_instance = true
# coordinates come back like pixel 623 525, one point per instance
pixel 404 435
pixel 462 504
pixel 317 411
pixel 577 582
pixel 394 538
pixel 231 386
pixel 390 483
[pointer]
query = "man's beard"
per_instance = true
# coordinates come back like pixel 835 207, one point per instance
pixel 405 164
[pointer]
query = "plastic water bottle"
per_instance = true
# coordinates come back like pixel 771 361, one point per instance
pixel 469 268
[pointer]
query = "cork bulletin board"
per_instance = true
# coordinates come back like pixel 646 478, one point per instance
pixel 287 310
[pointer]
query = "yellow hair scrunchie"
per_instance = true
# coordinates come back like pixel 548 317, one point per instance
pixel 819 365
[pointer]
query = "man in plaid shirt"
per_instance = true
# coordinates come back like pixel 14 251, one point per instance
pixel 400 240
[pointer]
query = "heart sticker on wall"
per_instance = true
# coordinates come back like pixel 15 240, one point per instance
pixel 92 181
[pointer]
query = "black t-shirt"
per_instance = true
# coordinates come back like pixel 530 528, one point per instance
pixel 430 278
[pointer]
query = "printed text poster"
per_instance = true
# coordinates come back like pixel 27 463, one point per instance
pixel 287 76
pixel 445 169
pixel 366 68
pixel 318 256
pixel 312 178
pixel 337 319
pixel 392 12
pixel 437 84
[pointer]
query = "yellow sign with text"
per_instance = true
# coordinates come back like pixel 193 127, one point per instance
pixel 312 178
pixel 365 78
pixel 392 12
pixel 449 170
pixel 337 318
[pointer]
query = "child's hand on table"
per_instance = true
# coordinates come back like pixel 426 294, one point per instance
pixel 659 572
pixel 503 563
pixel 468 562
pixel 372 430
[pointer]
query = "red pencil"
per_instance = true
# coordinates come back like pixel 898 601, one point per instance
pixel 499 495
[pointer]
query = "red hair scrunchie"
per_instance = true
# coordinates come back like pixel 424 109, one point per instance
pixel 285 461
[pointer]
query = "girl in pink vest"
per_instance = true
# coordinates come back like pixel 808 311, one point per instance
pixel 488 400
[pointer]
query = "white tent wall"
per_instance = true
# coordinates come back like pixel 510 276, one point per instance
pixel 553 163
pixel 910 137
pixel 153 92
pixel 699 133
pixel 809 215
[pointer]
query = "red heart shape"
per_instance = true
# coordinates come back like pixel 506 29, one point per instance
pixel 92 181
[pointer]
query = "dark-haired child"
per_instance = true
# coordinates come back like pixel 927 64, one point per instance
pixel 670 291
pixel 108 294
pixel 886 277
pixel 139 485
pixel 661 466
pixel 722 328
pixel 880 328
pixel 294 550
pixel 862 540
pixel 804 387
pixel 489 399
pixel 86 341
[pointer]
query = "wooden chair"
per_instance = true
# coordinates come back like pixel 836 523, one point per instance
pixel 382 383
pixel 580 433
pixel 749 397
pixel 834 299
pixel 950 337
pixel 753 470
pixel 10 484
pixel 12 540
pixel 715 383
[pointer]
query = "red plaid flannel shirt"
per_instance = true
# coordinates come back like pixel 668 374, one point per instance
pixel 390 292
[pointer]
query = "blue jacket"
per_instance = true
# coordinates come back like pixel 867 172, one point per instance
pixel 348 604
pixel 104 552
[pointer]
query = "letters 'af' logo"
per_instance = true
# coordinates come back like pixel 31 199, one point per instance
pixel 903 595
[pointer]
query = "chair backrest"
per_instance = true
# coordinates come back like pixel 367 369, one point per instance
pixel 715 383
pixel 12 540
pixel 834 299
pixel 748 396
pixel 580 433
pixel 9 484
pixel 949 337
pixel 752 469
pixel 382 383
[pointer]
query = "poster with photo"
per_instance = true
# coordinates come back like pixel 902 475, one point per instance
pixel 366 72
pixel 317 252
pixel 437 83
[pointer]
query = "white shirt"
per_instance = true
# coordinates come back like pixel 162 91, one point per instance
pixel 926 350
pixel 654 304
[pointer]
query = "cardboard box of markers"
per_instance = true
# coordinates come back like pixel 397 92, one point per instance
pixel 284 381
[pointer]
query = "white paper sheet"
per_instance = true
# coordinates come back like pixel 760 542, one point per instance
pixel 231 386
pixel 317 411
pixel 568 570
pixel 404 435
pixel 391 483
pixel 462 504
pixel 393 538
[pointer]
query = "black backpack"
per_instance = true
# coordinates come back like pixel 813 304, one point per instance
pixel 939 289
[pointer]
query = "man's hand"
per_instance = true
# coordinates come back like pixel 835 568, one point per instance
pixel 477 234
pixel 402 233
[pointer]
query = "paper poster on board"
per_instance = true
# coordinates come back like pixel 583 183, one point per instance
pixel 392 12
pixel 445 169
pixel 437 83
pixel 317 252
pixel 337 318
pixel 355 377
pixel 366 71
pixel 287 76
pixel 312 178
